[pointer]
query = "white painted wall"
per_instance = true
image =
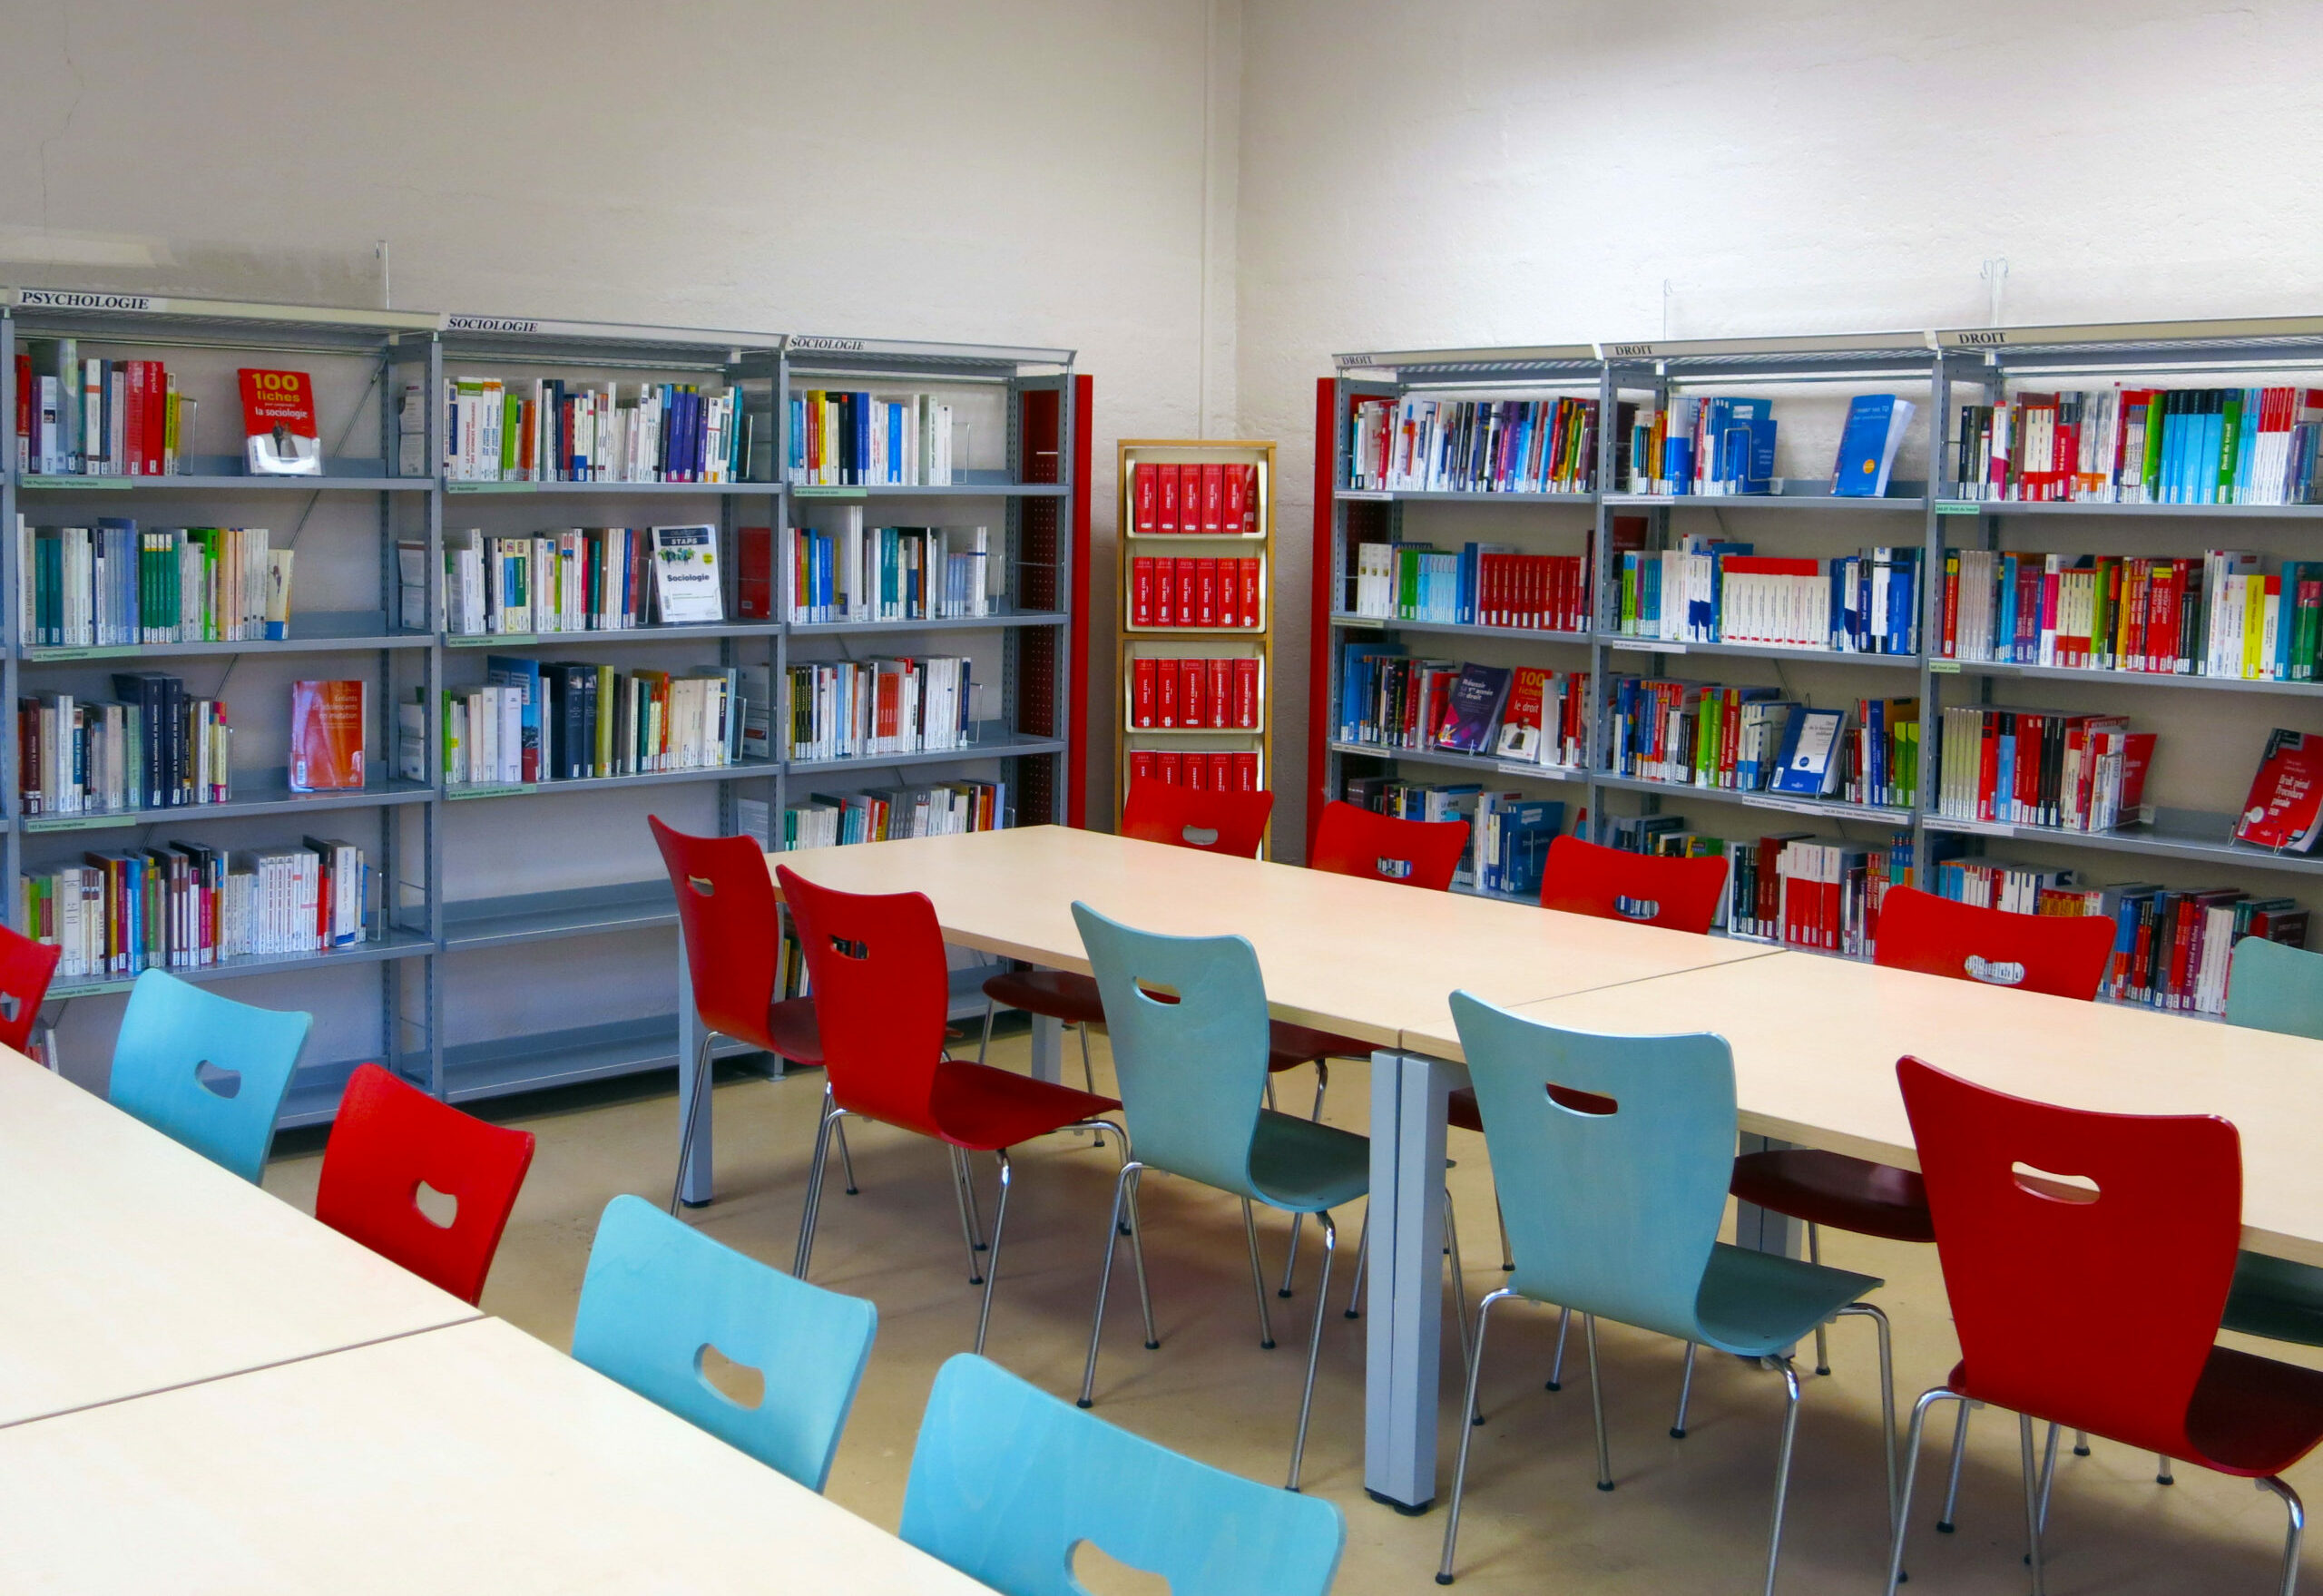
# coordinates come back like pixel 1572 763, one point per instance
pixel 1028 171
pixel 1482 171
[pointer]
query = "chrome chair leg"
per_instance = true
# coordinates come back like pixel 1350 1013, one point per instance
pixel 1556 1366
pixel 1290 1264
pixel 1782 1469
pixel 1257 1276
pixel 1507 1258
pixel 1136 1229
pixel 2298 1515
pixel 1460 1469
pixel 1597 1403
pixel 1822 1343
pixel 2080 1444
pixel 1945 1525
pixel 1458 1279
pixel 815 1187
pixel 976 1213
pixel 1362 1256
pixel 1314 1343
pixel 691 1119
pixel 992 1264
pixel 984 1046
pixel 1927 1400
pixel 2162 1474
pixel 1104 1279
pixel 2048 1482
pixel 846 1159
pixel 960 1198
pixel 1685 1390
pixel 1887 1399
pixel 2031 1500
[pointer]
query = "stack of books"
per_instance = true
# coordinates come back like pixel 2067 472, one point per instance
pixel 581 579
pixel 2078 772
pixel 1715 592
pixel 616 432
pixel 946 808
pixel 2143 446
pixel 98 417
pixel 1526 714
pixel 151 746
pixel 531 722
pixel 1185 694
pixel 1716 446
pixel 1476 445
pixel 1204 772
pixel 111 585
pixel 1197 592
pixel 1210 498
pixel 188 905
pixel 842 438
pixel 859 709
pixel 883 573
pixel 1484 584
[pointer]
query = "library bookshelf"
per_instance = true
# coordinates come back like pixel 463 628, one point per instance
pixel 452 886
pixel 1245 727
pixel 2210 729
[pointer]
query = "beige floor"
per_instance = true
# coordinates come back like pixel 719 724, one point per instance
pixel 1687 1515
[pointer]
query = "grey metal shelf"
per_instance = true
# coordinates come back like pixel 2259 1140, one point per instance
pixel 2125 678
pixel 1910 503
pixel 1480 764
pixel 617 489
pixel 471 924
pixel 742 770
pixel 1397 495
pixel 253 795
pixel 363 476
pixel 314 631
pixel 545 1059
pixel 2174 834
pixel 388 944
pixel 998 619
pixel 315 1091
pixel 1459 629
pixel 1826 809
pixel 468 643
pixel 1001 745
pixel 956 490
pixel 1952 507
pixel 1627 644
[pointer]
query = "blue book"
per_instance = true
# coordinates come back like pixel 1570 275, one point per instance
pixel 1526 829
pixel 1861 471
pixel 1809 764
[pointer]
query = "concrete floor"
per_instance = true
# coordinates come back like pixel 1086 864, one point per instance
pixel 1687 1515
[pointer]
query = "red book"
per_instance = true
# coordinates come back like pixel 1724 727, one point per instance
pixel 1196 771
pixel 1238 499
pixel 1146 494
pixel 1206 593
pixel 157 416
pixel 1165 591
pixel 279 431
pixel 1140 591
pixel 1165 692
pixel 1192 680
pixel 1253 609
pixel 1169 768
pixel 1988 769
pixel 1213 498
pixel 1245 772
pixel 1165 498
pixel 1222 772
pixel 1146 700
pixel 1220 697
pixel 754 553
pixel 24 386
pixel 1189 586
pixel 1246 693
pixel 133 419
pixel 1140 765
pixel 327 723
pixel 1250 499
pixel 2285 808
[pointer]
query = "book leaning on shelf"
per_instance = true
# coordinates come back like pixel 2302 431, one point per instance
pixel 854 572
pixel 2076 772
pixel 946 808
pixel 857 709
pixel 844 438
pixel 151 746
pixel 578 579
pixel 616 432
pixel 533 722
pixel 111 585
pixel 1476 445
pixel 98 417
pixel 2143 446
pixel 188 905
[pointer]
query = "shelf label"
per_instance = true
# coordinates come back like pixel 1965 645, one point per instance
pixel 1630 643
pixel 99 483
pixel 1959 507
pixel 1980 827
pixel 493 639
pixel 80 300
pixel 832 492
pixel 1537 772
pixel 490 791
pixel 1372 620
pixel 1364 495
pixel 1792 806
pixel 79 822
pixel 1945 667
pixel 54 656
pixel 489 487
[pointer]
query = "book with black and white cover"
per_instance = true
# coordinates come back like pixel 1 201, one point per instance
pixel 686 586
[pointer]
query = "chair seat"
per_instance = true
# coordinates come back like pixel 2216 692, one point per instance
pixel 1755 1302
pixel 1304 1167
pixel 791 1031
pixel 1059 994
pixel 1832 1189
pixel 1290 1046
pixel 1462 1111
pixel 984 1108
pixel 2275 1298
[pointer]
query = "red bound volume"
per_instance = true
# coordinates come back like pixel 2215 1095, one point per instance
pixel 157 417
pixel 1206 594
pixel 1219 700
pixel 1165 498
pixel 1213 498
pixel 1169 768
pixel 1245 772
pixel 1250 499
pixel 1141 591
pixel 1147 689
pixel 754 550
pixel 1196 768
pixel 1165 591
pixel 1237 498
pixel 1189 583
pixel 1222 772
pixel 1140 765
pixel 1246 694
pixel 1192 681
pixel 133 411
pixel 1250 606
pixel 1165 692
pixel 1147 496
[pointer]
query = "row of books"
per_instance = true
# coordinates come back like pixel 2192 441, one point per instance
pixel 1484 584
pixel 946 808
pixel 1718 591
pixel 1186 592
pixel 1203 772
pixel 531 720
pixel 576 579
pixel 112 585
pixel 98 417
pixel 2143 446
pixel 188 905
pixel 1474 445
pixel 616 432
pixel 841 438
pixel 1209 498
pixel 1525 714
pixel 2076 772
pixel 1696 445
pixel 859 709
pixel 856 573
pixel 1183 694
pixel 1751 739
pixel 151 746
pixel 1508 833
pixel 2223 616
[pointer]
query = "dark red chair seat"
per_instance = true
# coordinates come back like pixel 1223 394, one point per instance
pixel 790 1027
pixel 1290 1046
pixel 984 1110
pixel 1832 1189
pixel 1058 993
pixel 1462 1112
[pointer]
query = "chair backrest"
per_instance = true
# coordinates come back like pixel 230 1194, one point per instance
pixel 26 969
pixel 1007 1480
pixel 2274 987
pixel 1581 877
pixel 387 1137
pixel 2095 1309
pixel 2064 955
pixel 205 1070
pixel 731 926
pixel 1350 840
pixel 1611 1213
pixel 1215 822
pixel 1191 1073
pixel 659 1295
pixel 875 965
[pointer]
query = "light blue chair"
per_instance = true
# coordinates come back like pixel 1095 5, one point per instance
pixel 659 1294
pixel 1007 1482
pixel 2273 986
pixel 1191 1065
pixel 205 1070
pixel 1615 1214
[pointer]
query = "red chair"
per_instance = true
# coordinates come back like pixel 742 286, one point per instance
pixel 390 1136
pixel 875 964
pixel 2098 1310
pixel 1351 840
pixel 1581 877
pixel 732 928
pixel 26 967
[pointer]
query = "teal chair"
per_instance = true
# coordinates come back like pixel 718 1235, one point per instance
pixel 2275 987
pixel 1188 1019
pixel 205 1070
pixel 1613 1206
pixel 659 1294
pixel 1007 1482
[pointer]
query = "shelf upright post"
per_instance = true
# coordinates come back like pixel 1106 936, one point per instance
pixel 12 628
pixel 432 814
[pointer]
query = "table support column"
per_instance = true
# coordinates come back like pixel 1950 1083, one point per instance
pixel 1404 1298
pixel 1763 1229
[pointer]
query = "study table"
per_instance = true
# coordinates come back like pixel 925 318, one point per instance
pixel 130 1264
pixel 471 1458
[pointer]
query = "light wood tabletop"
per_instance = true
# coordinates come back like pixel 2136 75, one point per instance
pixel 467 1459
pixel 1367 959
pixel 1816 1042
pixel 134 1264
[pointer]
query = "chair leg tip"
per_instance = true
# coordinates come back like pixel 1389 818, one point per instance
pixel 1282 1291
pixel 983 1247
pixel 1477 1420
pixel 1605 1484
pixel 976 1280
pixel 1821 1368
pixel 1266 1347
pixel 1444 1579
pixel 1676 1433
pixel 853 1192
pixel 689 1202
pixel 1351 1314
pixel 1553 1386
pixel 1944 1526
pixel 1508 1268
pixel 1153 1347
pixel 2080 1452
pixel 2164 1479
pixel 1082 1402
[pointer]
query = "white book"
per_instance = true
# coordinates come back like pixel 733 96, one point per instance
pixel 687 585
